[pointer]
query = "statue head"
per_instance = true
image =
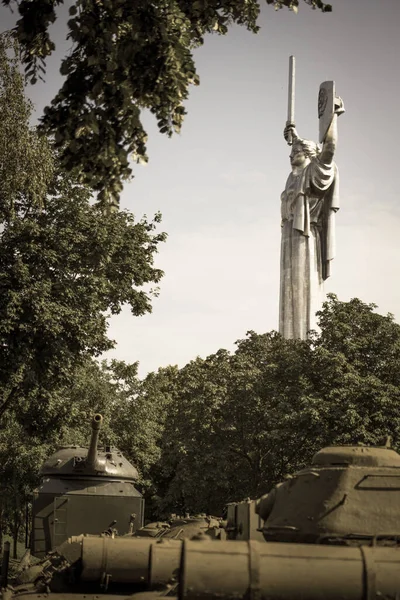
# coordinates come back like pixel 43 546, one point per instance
pixel 302 152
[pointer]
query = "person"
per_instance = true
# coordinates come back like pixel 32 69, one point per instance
pixel 308 206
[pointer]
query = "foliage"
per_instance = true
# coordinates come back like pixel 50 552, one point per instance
pixel 369 341
pixel 187 476
pixel 236 424
pixel 140 420
pixel 62 270
pixel 65 266
pixel 358 355
pixel 20 458
pixel 127 56
pixel 131 420
pixel 26 165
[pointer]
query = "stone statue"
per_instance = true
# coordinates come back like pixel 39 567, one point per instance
pixel 308 207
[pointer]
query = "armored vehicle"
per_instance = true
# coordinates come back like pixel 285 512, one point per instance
pixel 180 528
pixel 349 495
pixel 84 490
pixel 118 568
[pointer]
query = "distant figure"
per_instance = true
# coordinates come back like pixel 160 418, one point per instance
pixel 309 203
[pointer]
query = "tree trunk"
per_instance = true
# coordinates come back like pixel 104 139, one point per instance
pixel 1 525
pixel 16 526
pixel 15 541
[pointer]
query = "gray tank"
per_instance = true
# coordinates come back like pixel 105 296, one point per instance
pixel 84 491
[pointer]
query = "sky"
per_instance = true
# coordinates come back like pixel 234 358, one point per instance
pixel 218 183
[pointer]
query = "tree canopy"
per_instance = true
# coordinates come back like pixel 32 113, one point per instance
pixel 126 56
pixel 65 265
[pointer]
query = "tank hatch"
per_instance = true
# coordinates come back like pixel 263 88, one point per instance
pixel 363 456
pixel 76 462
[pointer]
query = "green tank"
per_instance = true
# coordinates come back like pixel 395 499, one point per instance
pixel 84 490
pixel 348 495
pixel 180 528
pixel 115 568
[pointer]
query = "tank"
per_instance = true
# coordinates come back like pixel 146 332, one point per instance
pixel 349 495
pixel 181 528
pixel 143 569
pixel 84 490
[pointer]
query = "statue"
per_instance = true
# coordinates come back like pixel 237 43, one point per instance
pixel 308 206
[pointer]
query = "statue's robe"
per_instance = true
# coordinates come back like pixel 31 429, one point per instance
pixel 308 204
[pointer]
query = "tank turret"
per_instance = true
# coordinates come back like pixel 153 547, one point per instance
pixel 83 490
pixel 348 495
pixel 77 462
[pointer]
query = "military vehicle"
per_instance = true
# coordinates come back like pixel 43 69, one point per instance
pixel 84 490
pixel 335 531
pixel 88 567
pixel 348 495
pixel 181 528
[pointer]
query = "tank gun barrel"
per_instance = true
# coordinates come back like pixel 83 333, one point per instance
pixel 92 458
pixel 234 569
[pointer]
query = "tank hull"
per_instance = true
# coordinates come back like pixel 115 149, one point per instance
pixel 62 510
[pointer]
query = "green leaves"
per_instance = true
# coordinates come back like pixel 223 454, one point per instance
pixel 64 264
pixel 62 270
pixel 127 56
pixel 294 5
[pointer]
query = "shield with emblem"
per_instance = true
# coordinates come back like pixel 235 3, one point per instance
pixel 326 107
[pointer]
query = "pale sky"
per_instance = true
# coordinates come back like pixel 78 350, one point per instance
pixel 218 183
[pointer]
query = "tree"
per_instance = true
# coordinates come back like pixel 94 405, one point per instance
pixel 235 424
pixel 357 363
pixel 139 422
pixel 127 56
pixel 191 470
pixel 369 341
pixel 20 459
pixel 65 266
